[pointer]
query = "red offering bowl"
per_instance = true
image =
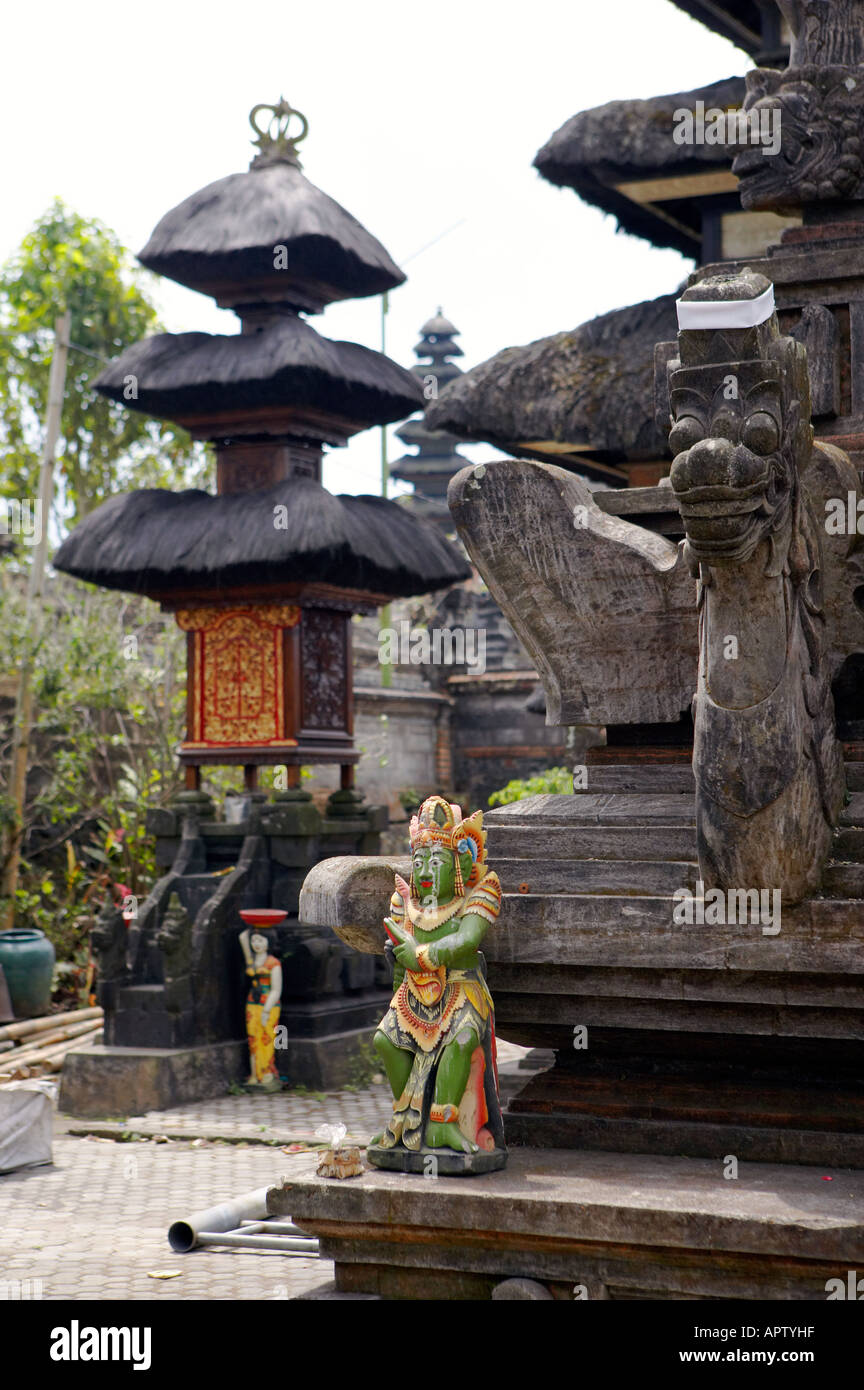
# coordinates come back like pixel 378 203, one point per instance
pixel 263 916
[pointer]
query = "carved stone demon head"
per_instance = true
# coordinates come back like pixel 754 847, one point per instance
pixel 820 111
pixel 819 101
pixel 740 411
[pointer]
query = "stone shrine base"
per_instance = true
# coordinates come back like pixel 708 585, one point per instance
pixel 102 1080
pixel 587 1224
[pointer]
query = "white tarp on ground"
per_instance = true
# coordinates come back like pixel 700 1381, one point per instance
pixel 26 1125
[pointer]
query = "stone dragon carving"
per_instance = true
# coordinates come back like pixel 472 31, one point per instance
pixel 768 766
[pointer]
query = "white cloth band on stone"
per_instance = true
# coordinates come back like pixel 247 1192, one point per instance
pixel 725 313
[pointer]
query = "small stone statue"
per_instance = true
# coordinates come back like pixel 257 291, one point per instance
pixel 437 1040
pixel 262 1009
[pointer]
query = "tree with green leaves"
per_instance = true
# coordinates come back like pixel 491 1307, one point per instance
pixel 75 263
pixel 110 697
pixel 108 669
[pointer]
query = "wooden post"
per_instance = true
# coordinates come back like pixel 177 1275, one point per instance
pixel 24 699
pixel 346 777
pixel 250 777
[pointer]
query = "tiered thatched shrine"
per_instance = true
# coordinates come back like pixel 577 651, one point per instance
pixel 263 576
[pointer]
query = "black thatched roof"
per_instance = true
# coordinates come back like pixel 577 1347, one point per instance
pixel 625 141
pixel 227 234
pixel 591 389
pixel 285 364
pixel 441 327
pixel 153 541
pixel 737 20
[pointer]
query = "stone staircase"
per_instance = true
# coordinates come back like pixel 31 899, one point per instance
pixel 633 832
pixel 702 1039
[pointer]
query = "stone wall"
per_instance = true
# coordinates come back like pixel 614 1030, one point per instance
pixel 495 738
pixel 402 736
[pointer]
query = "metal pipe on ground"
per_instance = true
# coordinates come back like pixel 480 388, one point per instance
pixel 251 1206
pixel 240 1223
pixel 273 1228
pixel 286 1244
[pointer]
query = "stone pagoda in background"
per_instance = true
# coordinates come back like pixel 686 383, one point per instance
pixel 437 460
pixel 263 576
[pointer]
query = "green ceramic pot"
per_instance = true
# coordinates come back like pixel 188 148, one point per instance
pixel 27 957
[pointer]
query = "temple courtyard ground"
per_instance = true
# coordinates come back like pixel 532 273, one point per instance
pixel 93 1225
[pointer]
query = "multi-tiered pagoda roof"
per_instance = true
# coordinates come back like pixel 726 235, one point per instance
pixel 437 459
pixel 264 575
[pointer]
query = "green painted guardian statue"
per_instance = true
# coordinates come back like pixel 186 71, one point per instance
pixel 437 1040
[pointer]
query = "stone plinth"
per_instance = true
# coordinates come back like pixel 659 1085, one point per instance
pixel 109 1081
pixel 617 1226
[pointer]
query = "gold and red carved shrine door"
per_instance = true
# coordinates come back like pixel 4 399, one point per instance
pixel 237 677
pixel 267 683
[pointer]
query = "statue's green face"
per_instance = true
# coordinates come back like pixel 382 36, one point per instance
pixel 434 874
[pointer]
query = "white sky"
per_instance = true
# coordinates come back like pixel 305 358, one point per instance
pixel 420 115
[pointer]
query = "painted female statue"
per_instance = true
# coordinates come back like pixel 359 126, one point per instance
pixel 437 1040
pixel 262 1009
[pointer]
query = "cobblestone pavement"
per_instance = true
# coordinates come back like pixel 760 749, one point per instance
pixel 94 1224
pixel 285 1116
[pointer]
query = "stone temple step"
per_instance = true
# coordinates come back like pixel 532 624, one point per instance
pixel 844 880
pixel 625 808
pixel 853 814
pixel 619 876
pixel 755 1120
pixel 848 847
pixel 640 932
pixel 670 778
pixel 609 842
pixel 638 778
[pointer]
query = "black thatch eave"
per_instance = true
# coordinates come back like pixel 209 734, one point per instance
pixel 153 541
pixel 285 364
pixel 639 219
pixel 228 232
pixel 740 21
pixel 640 134
pixel 591 388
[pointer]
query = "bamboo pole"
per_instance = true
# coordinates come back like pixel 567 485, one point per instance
pixel 38 1025
pixel 73 1030
pixel 24 701
pixel 28 1052
pixel 13 1065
